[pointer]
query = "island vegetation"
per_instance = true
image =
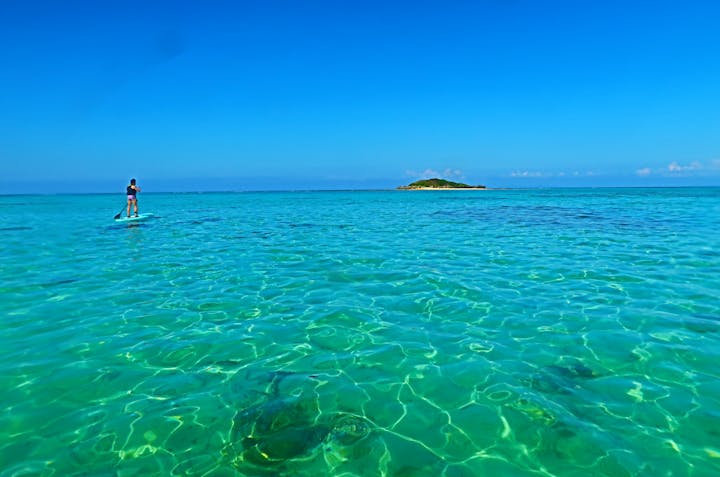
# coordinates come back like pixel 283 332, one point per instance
pixel 438 184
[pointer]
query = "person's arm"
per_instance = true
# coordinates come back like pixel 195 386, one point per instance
pixel 136 188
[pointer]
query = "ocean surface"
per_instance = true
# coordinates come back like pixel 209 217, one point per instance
pixel 560 332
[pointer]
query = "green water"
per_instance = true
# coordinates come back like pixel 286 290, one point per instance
pixel 469 333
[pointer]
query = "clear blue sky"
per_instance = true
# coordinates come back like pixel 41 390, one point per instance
pixel 187 95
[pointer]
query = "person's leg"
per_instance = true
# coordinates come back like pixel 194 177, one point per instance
pixel 128 207
pixel 136 207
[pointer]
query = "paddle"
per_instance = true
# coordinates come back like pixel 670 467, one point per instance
pixel 120 213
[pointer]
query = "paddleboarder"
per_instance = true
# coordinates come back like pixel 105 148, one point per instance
pixel 132 191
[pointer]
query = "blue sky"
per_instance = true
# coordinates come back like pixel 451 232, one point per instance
pixel 188 95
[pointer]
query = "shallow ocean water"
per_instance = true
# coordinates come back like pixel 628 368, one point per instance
pixel 562 332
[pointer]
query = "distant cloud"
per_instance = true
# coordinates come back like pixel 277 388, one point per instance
pixel 693 166
pixel 432 173
pixel 540 174
pixel 528 174
pixel 676 169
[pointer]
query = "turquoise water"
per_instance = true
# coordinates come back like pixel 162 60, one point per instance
pixel 457 333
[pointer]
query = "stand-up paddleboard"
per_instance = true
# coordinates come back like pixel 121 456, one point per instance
pixel 134 218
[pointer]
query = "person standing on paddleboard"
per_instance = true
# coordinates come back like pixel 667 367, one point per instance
pixel 132 191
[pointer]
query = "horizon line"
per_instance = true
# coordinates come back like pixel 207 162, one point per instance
pixel 396 189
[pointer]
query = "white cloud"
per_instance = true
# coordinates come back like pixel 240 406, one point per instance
pixel 432 173
pixel 693 166
pixel 676 169
pixel 536 174
pixel 527 174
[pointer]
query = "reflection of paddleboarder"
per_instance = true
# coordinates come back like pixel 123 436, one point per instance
pixel 132 191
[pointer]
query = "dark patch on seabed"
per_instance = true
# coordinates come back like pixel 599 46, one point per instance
pixel 302 225
pixel 560 379
pixel 280 428
pixel 14 229
pixel 59 282
pixel 206 220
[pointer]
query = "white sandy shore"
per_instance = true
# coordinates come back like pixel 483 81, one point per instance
pixel 443 188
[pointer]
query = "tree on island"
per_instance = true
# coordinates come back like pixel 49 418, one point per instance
pixel 439 184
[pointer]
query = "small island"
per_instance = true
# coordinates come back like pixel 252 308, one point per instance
pixel 438 184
